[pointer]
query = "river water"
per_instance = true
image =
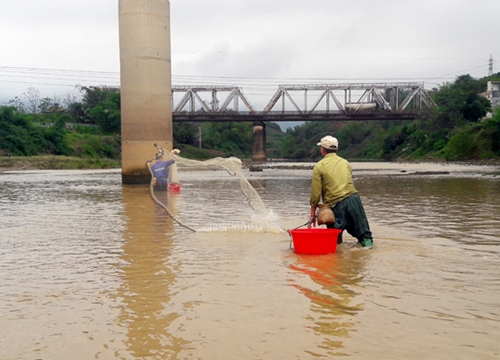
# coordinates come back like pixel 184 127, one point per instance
pixel 91 269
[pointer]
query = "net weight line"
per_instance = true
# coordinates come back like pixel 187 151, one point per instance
pixel 161 151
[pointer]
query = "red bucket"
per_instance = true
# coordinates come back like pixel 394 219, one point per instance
pixel 316 241
pixel 174 187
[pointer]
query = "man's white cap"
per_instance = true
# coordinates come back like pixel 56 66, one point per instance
pixel 329 142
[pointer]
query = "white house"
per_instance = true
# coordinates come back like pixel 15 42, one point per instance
pixel 492 93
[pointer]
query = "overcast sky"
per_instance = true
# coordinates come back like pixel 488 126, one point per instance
pixel 54 45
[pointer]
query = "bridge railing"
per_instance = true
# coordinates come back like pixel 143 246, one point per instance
pixel 345 99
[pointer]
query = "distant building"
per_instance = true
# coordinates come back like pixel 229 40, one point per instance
pixel 492 93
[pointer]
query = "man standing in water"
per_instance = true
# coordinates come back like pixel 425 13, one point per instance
pixel 332 182
pixel 160 171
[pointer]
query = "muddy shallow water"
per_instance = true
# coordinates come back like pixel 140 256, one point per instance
pixel 91 269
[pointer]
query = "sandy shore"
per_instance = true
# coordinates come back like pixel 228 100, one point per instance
pixel 27 164
pixel 423 166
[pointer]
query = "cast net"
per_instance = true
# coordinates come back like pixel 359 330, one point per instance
pixel 215 195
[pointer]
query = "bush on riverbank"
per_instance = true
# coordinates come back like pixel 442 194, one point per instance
pixel 475 141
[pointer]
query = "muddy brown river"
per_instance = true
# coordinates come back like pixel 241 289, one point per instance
pixel 92 269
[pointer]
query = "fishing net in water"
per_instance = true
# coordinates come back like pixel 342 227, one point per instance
pixel 216 196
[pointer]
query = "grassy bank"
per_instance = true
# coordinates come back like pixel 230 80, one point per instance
pixel 51 162
pixel 60 162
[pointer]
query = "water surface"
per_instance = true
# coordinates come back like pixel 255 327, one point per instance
pixel 91 269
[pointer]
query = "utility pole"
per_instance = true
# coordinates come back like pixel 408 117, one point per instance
pixel 490 71
pixel 199 136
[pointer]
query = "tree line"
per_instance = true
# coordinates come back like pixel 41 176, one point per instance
pixel 88 125
pixel 458 129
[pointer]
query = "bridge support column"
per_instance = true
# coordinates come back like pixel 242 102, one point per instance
pixel 146 96
pixel 259 142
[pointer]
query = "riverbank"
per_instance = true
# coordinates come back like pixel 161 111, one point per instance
pixel 51 162
pixel 297 165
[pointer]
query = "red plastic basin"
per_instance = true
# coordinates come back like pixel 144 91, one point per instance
pixel 174 187
pixel 317 241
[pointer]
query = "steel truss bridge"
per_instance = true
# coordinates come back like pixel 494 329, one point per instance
pixel 336 102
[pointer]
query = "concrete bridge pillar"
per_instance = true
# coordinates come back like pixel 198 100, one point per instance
pixel 146 106
pixel 259 142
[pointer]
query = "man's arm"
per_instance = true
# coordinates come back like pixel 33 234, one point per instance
pixel 312 218
pixel 315 195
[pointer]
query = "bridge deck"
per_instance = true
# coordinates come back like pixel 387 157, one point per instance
pixel 292 116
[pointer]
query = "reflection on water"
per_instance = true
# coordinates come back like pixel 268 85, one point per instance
pixel 148 276
pixel 332 295
pixel 93 269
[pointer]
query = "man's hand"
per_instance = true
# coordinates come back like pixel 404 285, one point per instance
pixel 312 218
pixel 312 222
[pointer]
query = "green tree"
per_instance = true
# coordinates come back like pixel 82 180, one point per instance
pixel 18 104
pixel 185 133
pixel 99 106
pixel 48 106
pixel 106 114
pixel 229 137
pixel 461 100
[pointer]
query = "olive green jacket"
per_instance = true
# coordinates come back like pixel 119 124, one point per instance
pixel 332 180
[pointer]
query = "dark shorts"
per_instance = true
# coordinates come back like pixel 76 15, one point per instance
pixel 353 218
pixel 161 184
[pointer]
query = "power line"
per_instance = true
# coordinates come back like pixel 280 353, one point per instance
pixel 61 77
pixel 191 78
